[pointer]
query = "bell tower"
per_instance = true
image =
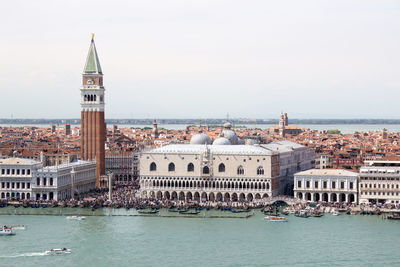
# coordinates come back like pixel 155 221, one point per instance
pixel 92 112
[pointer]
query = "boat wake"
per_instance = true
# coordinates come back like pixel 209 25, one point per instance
pixel 31 254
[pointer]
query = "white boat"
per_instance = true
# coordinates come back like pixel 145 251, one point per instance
pixel 79 218
pixel 276 219
pixel 58 251
pixel 335 213
pixel 18 227
pixel 6 231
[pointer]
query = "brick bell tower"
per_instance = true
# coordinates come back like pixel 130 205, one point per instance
pixel 92 112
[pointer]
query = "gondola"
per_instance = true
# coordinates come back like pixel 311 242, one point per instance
pixel 189 212
pixel 148 211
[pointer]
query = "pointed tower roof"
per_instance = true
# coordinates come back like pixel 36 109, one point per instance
pixel 92 65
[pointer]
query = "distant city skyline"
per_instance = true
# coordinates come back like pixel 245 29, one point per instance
pixel 192 59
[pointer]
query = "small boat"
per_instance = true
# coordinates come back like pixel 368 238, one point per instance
pixel 285 212
pixel 302 214
pixel 18 227
pixel 6 231
pixel 335 213
pixel 276 219
pixel 58 251
pixel 78 218
pixel 393 217
pixel 148 211
pixel 189 212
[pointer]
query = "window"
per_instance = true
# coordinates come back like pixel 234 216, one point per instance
pixel 38 181
pixel 28 185
pixel 28 171
pixel 299 184
pixel 221 167
pixel 206 170
pixel 351 185
pixel 316 184
pixel 171 167
pixel 153 167
pixel 22 185
pixel 13 171
pixel 342 185
pixel 190 167
pixel 260 170
pixel 8 171
pixel 51 181
pixel 333 184
pixel 307 184
pixel 18 171
pixel 240 170
pixel 3 171
pixel 23 171
pixel 3 185
pixel 44 181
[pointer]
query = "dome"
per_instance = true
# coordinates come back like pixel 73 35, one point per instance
pixel 231 136
pixel 200 139
pixel 227 125
pixel 222 141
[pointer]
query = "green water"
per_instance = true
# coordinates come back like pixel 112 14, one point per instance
pixel 346 240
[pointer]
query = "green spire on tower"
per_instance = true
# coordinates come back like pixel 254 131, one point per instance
pixel 92 65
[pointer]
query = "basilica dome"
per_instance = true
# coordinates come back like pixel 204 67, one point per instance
pixel 200 139
pixel 222 141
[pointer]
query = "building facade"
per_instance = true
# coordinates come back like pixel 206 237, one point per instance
pixel 64 181
pixel 380 182
pixel 209 172
pixel 28 179
pixel 293 158
pixel 328 185
pixel 16 177
pixel 93 126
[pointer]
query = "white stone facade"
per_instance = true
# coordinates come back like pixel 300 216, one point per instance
pixel 293 158
pixel 60 182
pixel 328 185
pixel 380 182
pixel 27 179
pixel 209 172
pixel 16 177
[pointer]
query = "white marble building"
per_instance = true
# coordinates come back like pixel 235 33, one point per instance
pixel 16 177
pixel 28 179
pixel 60 182
pixel 380 182
pixel 329 185
pixel 209 172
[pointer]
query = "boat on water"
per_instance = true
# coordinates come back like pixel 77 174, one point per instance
pixel 302 214
pixel 189 212
pixel 335 213
pixel 6 231
pixel 393 216
pixel 152 211
pixel 285 212
pixel 276 219
pixel 18 227
pixel 58 251
pixel 78 218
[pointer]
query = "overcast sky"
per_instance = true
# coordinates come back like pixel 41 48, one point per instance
pixel 204 58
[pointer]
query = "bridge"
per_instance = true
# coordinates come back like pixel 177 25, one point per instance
pixel 288 200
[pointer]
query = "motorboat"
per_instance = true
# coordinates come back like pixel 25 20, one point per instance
pixel 6 231
pixel 78 218
pixel 18 227
pixel 276 219
pixel 58 251
pixel 302 214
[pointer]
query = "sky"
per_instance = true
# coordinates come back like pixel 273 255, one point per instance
pixel 203 58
